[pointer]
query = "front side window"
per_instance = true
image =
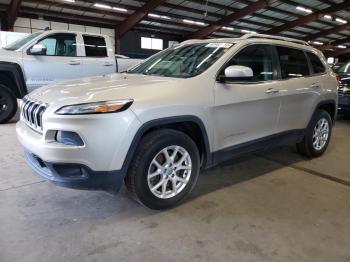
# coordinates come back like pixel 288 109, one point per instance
pixel 317 65
pixel 258 58
pixel 60 45
pixel 182 61
pixel 95 46
pixel 293 63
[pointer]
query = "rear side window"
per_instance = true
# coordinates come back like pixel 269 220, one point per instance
pixel 258 58
pixel 293 63
pixel 95 46
pixel 317 65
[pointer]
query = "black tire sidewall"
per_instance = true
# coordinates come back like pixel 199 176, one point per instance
pixel 11 103
pixel 144 195
pixel 309 136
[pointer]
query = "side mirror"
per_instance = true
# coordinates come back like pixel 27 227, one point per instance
pixel 37 49
pixel 237 72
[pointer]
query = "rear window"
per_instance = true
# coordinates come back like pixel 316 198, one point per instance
pixel 293 62
pixel 316 64
pixel 95 46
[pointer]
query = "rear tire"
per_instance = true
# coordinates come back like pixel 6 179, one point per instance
pixel 164 169
pixel 8 104
pixel 318 135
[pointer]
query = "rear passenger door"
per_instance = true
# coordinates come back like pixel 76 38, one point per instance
pixel 96 60
pixel 299 89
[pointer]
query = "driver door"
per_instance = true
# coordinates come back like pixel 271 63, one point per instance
pixel 61 61
pixel 247 110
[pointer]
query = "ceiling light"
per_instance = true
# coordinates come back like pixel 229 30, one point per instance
pixel 120 9
pixel 317 43
pixel 227 28
pixel 102 6
pixel 187 21
pixel 159 16
pixel 70 1
pixel 248 32
pixel 341 20
pixel 306 10
pixel 341 46
pixel 328 17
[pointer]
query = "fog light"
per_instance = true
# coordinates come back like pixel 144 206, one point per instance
pixel 69 138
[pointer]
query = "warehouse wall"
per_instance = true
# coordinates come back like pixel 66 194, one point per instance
pixel 29 25
pixel 130 44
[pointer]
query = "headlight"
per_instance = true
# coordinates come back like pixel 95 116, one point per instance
pixel 96 107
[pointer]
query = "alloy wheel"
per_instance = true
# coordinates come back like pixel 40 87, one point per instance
pixel 320 134
pixel 169 172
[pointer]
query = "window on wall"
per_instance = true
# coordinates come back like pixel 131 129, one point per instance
pixel 95 46
pixel 151 43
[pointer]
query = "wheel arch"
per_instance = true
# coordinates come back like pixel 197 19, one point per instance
pixel 329 106
pixel 13 72
pixel 190 125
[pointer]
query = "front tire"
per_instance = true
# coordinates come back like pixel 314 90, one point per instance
pixel 8 104
pixel 318 135
pixel 164 169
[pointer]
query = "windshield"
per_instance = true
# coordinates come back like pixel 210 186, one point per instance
pixel 21 42
pixel 345 69
pixel 183 61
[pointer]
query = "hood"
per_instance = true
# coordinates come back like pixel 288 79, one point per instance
pixel 9 56
pixel 102 88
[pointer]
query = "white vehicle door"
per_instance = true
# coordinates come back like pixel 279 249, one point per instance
pixel 247 110
pixel 97 60
pixel 62 61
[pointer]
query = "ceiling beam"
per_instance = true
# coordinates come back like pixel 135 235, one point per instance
pixel 136 17
pixel 338 53
pixel 12 13
pixel 309 18
pixel 249 9
pixel 330 31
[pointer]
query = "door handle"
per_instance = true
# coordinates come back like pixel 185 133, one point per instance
pixel 271 91
pixel 108 64
pixel 74 63
pixel 315 86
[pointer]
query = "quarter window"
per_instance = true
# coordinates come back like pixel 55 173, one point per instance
pixel 95 46
pixel 317 65
pixel 258 58
pixel 293 63
pixel 60 45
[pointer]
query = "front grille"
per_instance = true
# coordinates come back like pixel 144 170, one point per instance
pixel 32 112
pixel 343 88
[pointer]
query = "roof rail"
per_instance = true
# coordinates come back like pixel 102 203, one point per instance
pixel 287 39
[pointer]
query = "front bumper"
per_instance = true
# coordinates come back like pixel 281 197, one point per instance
pixel 76 175
pixel 98 164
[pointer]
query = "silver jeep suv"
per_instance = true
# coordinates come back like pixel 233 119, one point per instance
pixel 184 109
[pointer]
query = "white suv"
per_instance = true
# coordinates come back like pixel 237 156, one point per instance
pixel 184 109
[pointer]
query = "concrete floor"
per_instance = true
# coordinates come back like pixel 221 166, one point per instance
pixel 266 207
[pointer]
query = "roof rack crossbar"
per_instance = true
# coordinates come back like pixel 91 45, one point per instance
pixel 248 36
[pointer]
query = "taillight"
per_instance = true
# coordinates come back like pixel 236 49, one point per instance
pixel 338 78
